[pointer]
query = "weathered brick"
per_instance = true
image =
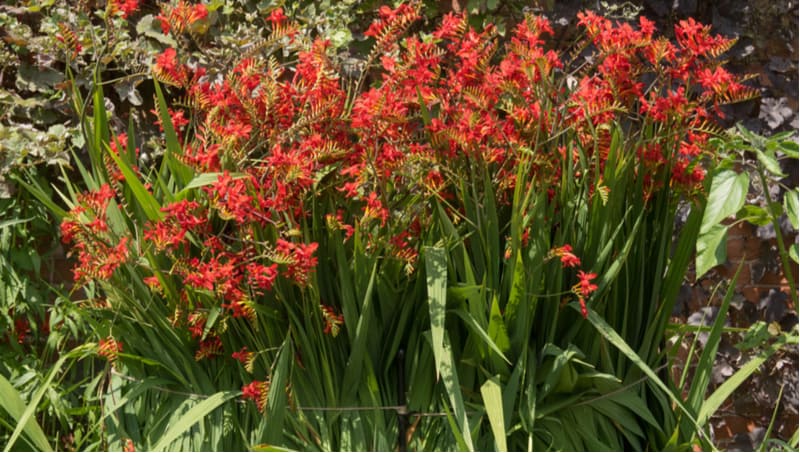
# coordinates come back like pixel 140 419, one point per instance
pixel 747 247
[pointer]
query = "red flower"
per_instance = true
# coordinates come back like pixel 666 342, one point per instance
pixel 22 327
pixel 165 234
pixel 169 69
pixel 452 25
pixel 375 209
pixel 299 259
pixel 258 392
pixel 126 7
pixel 262 276
pixel 333 321
pixel 231 199
pixel 583 289
pixel 586 287
pixel 568 259
pixel 277 17
pixel 210 347
pixel 152 282
pixel 197 12
pixel 717 81
pixel 242 355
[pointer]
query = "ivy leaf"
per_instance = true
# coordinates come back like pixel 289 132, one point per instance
pixel 341 38
pixel 146 27
pixel 774 111
pixel 32 78
pixel 127 90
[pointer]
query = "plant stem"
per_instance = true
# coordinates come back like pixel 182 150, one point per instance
pixel 787 270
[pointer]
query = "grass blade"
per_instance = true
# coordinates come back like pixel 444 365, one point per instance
pixel 13 404
pixel 192 417
pixel 276 400
pixel 24 419
pixel 727 388
pixel 149 204
pixel 706 364
pixel 493 401
pixel 613 337
pixel 42 197
pixel 436 270
pixel 178 168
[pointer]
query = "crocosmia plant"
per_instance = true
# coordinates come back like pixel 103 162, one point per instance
pixel 467 244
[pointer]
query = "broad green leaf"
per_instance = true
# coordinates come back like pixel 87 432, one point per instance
pixel 436 270
pixel 192 417
pixel 146 27
pixel 754 214
pixel 768 160
pixel 136 389
pixel 493 402
pixel 460 441
pixel 790 206
pixel 711 249
pixel 726 197
pixel 100 137
pixel 40 195
pixel 790 148
pixel 268 447
pixel 13 404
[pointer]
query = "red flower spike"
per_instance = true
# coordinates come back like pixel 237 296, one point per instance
pixel 333 321
pixel 168 70
pixel 109 348
pixel 300 259
pixel 242 355
pixel 126 7
pixel 276 17
pixel 257 391
pixel 585 286
pixel 210 347
pixel 568 259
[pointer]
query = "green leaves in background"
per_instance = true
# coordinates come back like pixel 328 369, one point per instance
pixel 726 198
